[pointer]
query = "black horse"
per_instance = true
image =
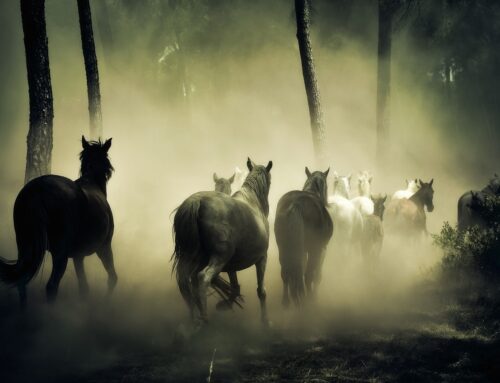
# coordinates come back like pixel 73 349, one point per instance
pixel 71 219
pixel 303 228
pixel 469 212
pixel 215 233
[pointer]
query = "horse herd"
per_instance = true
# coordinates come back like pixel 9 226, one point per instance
pixel 216 231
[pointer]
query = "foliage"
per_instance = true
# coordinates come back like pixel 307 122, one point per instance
pixel 475 251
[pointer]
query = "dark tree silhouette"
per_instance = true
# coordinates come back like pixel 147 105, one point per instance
pixel 39 151
pixel 91 70
pixel 303 16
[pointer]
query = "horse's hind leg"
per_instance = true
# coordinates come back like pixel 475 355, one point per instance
pixel 59 263
pixel 235 292
pixel 82 278
pixel 261 290
pixel 285 300
pixel 313 270
pixel 106 257
pixel 205 278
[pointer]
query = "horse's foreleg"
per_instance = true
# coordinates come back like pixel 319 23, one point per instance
pixel 82 278
pixel 261 290
pixel 59 263
pixel 106 257
pixel 205 278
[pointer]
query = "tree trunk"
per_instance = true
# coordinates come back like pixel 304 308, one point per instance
pixel 383 82
pixel 39 151
pixel 303 13
pixel 90 58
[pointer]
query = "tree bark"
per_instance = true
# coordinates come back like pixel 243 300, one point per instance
pixel 39 141
pixel 91 69
pixel 383 81
pixel 303 16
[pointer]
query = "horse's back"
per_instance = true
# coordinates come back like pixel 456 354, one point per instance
pixel 364 205
pixel 404 214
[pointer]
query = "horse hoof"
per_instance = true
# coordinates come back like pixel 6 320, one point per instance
pixel 223 306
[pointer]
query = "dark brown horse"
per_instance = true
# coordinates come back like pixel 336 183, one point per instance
pixel 469 211
pixel 407 216
pixel 373 230
pixel 303 228
pixel 217 233
pixel 71 219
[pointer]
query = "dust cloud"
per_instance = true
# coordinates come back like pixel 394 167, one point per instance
pixel 247 101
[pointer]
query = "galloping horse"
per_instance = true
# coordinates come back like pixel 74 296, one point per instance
pixel 71 219
pixel 373 230
pixel 407 216
pixel 411 188
pixel 303 228
pixel 363 202
pixel 468 216
pixel 217 233
pixel 345 215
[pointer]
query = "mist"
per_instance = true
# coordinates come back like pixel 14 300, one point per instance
pixel 245 98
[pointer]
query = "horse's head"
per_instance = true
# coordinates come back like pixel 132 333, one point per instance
pixel 342 185
pixel 94 159
pixel 426 194
pixel 379 205
pixel 364 183
pixel 316 183
pixel 412 185
pixel 223 185
pixel 259 181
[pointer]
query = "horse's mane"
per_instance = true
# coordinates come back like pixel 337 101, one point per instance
pixel 258 181
pixel 95 162
pixel 317 184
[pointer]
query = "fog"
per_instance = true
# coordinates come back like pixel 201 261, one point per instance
pixel 248 101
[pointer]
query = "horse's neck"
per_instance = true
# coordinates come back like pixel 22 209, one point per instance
pixel 416 198
pixel 364 192
pixel 314 190
pixel 250 197
pixel 90 182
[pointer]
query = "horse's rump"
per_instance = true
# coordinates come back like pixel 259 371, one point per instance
pixel 404 215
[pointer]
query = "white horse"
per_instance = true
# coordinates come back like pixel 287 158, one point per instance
pixel 411 188
pixel 363 202
pixel 347 220
pixel 240 177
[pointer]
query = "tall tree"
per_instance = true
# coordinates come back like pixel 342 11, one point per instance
pixel 39 142
pixel 91 69
pixel 303 17
pixel 390 12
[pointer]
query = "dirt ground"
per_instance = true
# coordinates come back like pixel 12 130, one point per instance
pixel 426 340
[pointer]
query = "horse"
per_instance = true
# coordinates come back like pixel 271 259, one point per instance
pixel 407 216
pixel 411 188
pixel 215 233
pixel 223 185
pixel 345 215
pixel 373 230
pixel 303 228
pixel 363 202
pixel 469 212
pixel 70 219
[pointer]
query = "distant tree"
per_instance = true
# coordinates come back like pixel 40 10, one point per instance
pixel 303 17
pixel 91 69
pixel 39 151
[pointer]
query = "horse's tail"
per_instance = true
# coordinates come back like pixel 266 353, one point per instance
pixel 30 223
pixel 290 236
pixel 188 257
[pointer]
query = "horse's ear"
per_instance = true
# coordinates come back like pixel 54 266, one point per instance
pixel 308 173
pixel 231 180
pixel 431 182
pixel 85 143
pixel 420 182
pixel 349 177
pixel 384 199
pixel 269 166
pixel 326 172
pixel 215 177
pixel 107 144
pixel 250 164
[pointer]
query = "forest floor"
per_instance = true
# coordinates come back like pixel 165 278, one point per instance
pixel 99 342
